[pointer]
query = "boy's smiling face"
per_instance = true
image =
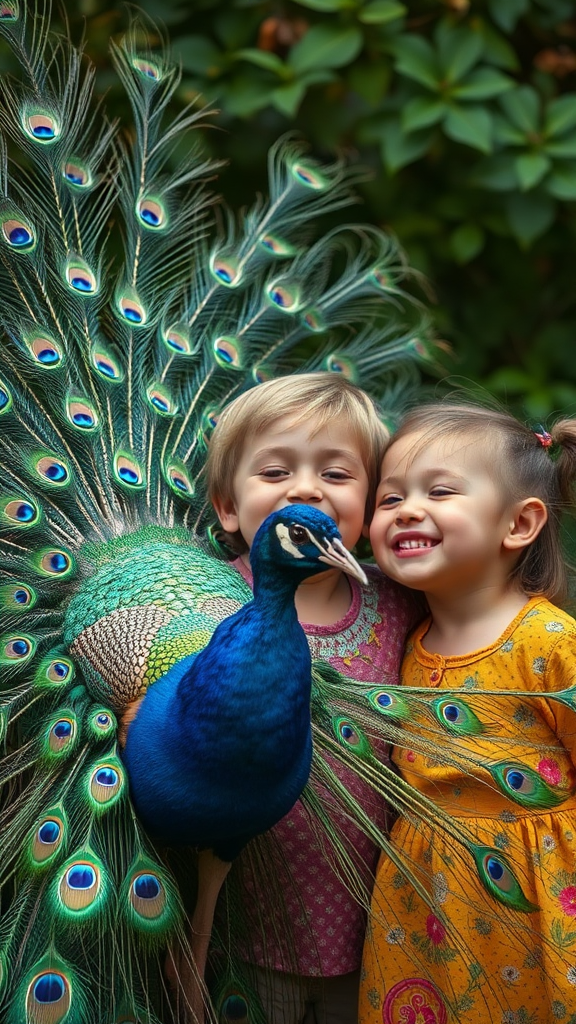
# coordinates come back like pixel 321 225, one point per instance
pixel 289 463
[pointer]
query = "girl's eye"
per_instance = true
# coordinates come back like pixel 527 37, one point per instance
pixel 440 492
pixel 273 473
pixel 389 500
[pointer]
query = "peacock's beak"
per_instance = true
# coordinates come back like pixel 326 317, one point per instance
pixel 337 555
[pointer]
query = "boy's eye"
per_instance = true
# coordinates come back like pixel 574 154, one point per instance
pixel 273 473
pixel 336 474
pixel 441 492
pixel 389 500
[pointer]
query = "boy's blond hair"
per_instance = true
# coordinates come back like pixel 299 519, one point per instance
pixel 316 398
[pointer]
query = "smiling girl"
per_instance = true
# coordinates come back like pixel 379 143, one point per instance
pixel 467 512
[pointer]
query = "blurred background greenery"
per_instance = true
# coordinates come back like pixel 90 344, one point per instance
pixel 464 114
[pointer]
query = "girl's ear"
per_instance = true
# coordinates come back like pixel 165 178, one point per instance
pixel 226 511
pixel 530 516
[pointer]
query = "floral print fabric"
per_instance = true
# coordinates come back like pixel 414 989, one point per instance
pixel 463 956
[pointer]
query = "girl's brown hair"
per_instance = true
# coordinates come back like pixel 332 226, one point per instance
pixel 525 462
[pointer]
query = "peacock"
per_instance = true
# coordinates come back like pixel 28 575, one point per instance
pixel 134 308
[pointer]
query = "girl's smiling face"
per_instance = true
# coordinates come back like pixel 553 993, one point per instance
pixel 441 520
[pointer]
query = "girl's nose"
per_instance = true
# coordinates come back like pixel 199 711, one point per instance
pixel 409 512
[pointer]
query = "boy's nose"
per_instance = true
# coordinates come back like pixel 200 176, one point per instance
pixel 304 487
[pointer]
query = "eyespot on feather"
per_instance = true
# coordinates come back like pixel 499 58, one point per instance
pixel 18 234
pixel 276 245
pixel 5 398
pixel 388 702
pixel 147 68
pixel 52 470
pixel 77 174
pixel 106 784
pixel 80 278
pixel 47 838
pixel 102 723
pixel 48 998
pixel 227 352
pixel 16 650
pixel 283 297
pixel 9 12
pixel 131 309
pixel 17 597
pixel 177 339
pixel 160 400
pixel 178 478
pixel 41 126
pixel 54 562
pixel 308 177
pixel 54 670
pixel 61 736
pixel 105 364
pixel 225 270
pixel 128 472
pixel 152 214
pixel 20 513
pixel 44 351
pixel 81 414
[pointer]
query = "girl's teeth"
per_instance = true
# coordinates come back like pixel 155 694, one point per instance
pixel 415 544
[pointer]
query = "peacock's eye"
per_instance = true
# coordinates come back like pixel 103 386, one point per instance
pixel 297 534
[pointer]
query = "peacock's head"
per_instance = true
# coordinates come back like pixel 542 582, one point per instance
pixel 303 541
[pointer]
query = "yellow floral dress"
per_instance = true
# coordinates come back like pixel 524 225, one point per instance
pixel 504 772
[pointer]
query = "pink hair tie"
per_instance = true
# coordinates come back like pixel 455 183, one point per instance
pixel 544 437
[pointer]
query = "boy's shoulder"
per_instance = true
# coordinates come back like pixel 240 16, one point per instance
pixel 389 592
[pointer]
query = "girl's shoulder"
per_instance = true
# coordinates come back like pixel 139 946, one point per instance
pixel 545 618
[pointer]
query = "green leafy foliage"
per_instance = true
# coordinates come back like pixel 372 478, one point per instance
pixel 463 113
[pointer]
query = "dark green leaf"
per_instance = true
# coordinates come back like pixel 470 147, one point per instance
pixel 531 168
pixel 399 149
pixel 370 81
pixel 506 12
pixel 288 98
pixel 466 242
pixel 325 46
pixel 421 112
pixel 263 59
pixel 244 96
pixel 564 149
pixel 379 12
pixel 416 59
pixel 522 106
pixel 459 49
pixel 327 5
pixel 529 216
pixel 497 49
pixel 471 125
pixel 482 84
pixel 505 133
pixel 200 55
pixel 497 173
pixel 562 182
pixel 560 115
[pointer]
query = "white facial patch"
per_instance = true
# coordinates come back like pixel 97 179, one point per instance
pixel 282 532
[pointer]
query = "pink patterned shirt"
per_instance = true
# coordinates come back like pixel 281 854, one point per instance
pixel 328 924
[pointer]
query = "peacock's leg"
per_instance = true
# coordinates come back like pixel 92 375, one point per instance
pixel 189 977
